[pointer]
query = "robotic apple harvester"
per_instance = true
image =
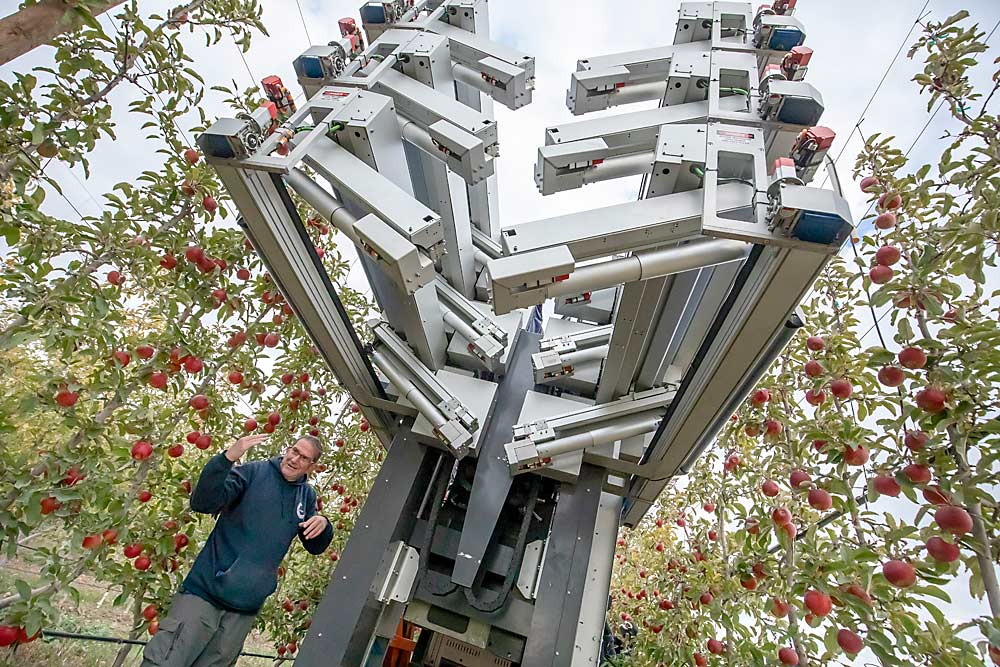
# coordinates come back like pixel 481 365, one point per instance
pixel 512 456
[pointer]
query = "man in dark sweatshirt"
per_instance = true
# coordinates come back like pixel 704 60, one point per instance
pixel 261 507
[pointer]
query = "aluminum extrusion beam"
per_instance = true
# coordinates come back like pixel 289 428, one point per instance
pixel 627 227
pixel 281 241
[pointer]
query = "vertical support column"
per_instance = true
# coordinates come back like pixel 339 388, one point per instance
pixel 492 482
pixel 346 618
pixel 564 572
pixel 441 190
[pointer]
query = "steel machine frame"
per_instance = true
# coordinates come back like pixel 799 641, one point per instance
pixel 514 456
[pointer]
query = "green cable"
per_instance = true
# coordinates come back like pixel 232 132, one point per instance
pixel 697 171
pixel 741 91
pixel 304 128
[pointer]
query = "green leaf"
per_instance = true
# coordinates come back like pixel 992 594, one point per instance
pixel 23 589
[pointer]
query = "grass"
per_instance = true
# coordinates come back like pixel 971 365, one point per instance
pixel 95 615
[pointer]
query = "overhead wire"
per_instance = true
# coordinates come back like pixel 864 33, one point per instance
pixel 902 45
pixel 302 16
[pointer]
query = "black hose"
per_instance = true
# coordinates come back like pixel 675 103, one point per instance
pixel 440 483
pixel 58 634
pixel 498 600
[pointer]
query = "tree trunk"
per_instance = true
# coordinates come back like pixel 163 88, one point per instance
pixel 39 24
pixel 126 649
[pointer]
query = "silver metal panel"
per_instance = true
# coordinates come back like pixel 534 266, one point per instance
pixel 590 632
pixel 623 227
pixel 376 194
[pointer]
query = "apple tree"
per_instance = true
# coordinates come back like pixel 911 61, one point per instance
pixel 144 339
pixel 854 491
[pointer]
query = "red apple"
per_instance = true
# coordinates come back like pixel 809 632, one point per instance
pixel 180 541
pixel 203 442
pixel 886 486
pixel 916 440
pixel 193 365
pixel 168 261
pixel 799 478
pixel 142 563
pixel 781 516
pixel 250 425
pixel 115 278
pixel 913 358
pixel 818 603
pixel 778 609
pixel 158 380
pixel 917 473
pixel 73 475
pixel 815 397
pixel 890 201
pixel 856 456
pixel 815 343
pixel 708 507
pixel 869 184
pixel 194 254
pixel 860 593
pixel 749 583
pixel 210 204
pixel 132 550
pixel 813 368
pixel 841 388
pixel 706 598
pixel 271 339
pixel 849 641
pixel 175 450
pixel 752 526
pixel 769 488
pixel 886 220
pixel 953 519
pixel 144 496
pixel 145 351
pixel 150 612
pixel 198 402
pixel 274 419
pixel 122 357
pixel 788 656
pixel 8 635
pixel 109 535
pixel 935 495
pixel 880 275
pixel 715 646
pixel 141 450
pixel 760 397
pixel 942 551
pixel 887 255
pixel 191 155
pixel 92 541
pixel 899 573
pixel 891 376
pixel 49 505
pixel 66 398
pixel 820 499
pixel 930 400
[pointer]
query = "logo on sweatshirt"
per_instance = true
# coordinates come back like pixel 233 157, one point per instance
pixel 300 511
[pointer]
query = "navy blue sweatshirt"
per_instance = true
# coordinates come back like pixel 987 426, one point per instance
pixel 259 515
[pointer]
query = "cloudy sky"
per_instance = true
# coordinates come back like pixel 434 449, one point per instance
pixel 854 42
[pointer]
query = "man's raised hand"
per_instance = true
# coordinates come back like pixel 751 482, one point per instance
pixel 313 526
pixel 244 444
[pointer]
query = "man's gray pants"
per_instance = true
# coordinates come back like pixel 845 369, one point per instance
pixel 196 633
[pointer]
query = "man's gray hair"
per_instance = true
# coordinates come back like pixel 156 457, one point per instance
pixel 316 443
